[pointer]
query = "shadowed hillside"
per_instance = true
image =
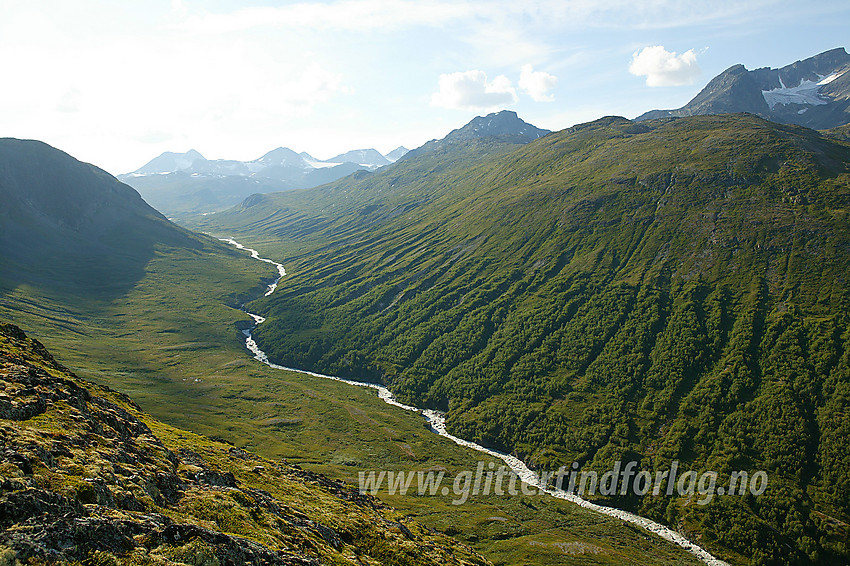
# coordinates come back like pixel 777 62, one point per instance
pixel 72 226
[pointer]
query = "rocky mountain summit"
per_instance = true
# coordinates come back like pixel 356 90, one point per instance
pixel 86 476
pixel 504 126
pixel 814 92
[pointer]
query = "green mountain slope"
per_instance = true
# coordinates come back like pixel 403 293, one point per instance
pixel 87 477
pixel 171 340
pixel 666 291
pixel 841 133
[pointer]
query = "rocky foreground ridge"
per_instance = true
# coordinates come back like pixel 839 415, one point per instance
pixel 86 477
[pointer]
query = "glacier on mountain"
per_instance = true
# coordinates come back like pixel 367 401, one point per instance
pixel 807 92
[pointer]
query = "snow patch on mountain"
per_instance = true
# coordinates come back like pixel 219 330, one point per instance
pixel 397 153
pixel 369 158
pixel 170 162
pixel 830 78
pixel 316 164
pixel 807 92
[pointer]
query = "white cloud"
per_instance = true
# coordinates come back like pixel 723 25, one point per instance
pixel 537 84
pixel 178 88
pixel 665 68
pixel 469 90
pixel 234 79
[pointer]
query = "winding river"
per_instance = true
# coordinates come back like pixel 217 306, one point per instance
pixel 437 423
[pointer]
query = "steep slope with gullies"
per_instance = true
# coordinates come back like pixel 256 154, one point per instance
pixel 86 477
pixel 664 291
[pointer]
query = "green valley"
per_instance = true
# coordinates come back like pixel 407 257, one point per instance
pixel 166 332
pixel 671 290
pixel 241 323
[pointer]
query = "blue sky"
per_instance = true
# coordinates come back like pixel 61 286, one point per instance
pixel 116 82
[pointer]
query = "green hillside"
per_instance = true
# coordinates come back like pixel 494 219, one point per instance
pixel 87 478
pixel 166 332
pixel 670 290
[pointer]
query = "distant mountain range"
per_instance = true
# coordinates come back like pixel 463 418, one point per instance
pixel 814 92
pixel 499 132
pixel 189 183
pixel 185 185
pixel 282 163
